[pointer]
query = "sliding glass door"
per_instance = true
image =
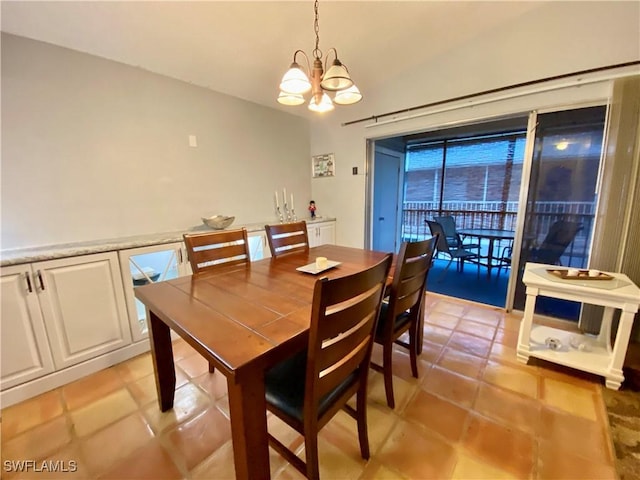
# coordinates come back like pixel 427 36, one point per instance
pixel 561 198
pixel 480 174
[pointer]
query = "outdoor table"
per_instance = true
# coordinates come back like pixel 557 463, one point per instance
pixel 492 235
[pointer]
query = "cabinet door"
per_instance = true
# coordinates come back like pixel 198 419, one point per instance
pixel 258 246
pixel 83 305
pixel 143 265
pixel 312 233
pixel 327 233
pixel 25 352
pixel 321 234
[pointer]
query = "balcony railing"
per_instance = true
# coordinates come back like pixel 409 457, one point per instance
pixel 499 215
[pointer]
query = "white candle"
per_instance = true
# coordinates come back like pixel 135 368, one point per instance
pixel 284 196
pixel 292 200
pixel 277 205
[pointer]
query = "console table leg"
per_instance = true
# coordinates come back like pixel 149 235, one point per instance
pixel 604 337
pixel 613 384
pixel 614 374
pixel 524 336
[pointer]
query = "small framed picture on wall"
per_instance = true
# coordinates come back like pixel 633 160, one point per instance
pixel 323 165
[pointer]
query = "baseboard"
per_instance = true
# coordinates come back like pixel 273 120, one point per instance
pixel 43 384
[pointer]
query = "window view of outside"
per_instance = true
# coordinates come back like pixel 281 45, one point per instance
pixel 476 180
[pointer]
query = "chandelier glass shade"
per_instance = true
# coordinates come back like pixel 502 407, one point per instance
pixel 318 80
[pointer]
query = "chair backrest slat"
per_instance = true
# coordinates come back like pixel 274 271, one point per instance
pixel 285 238
pixel 212 250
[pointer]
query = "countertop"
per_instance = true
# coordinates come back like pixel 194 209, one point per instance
pixel 50 252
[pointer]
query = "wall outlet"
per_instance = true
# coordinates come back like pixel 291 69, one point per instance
pixel 354 170
pixel 193 141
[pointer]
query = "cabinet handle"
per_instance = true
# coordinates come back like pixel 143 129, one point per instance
pixel 39 274
pixel 28 279
pixel 180 256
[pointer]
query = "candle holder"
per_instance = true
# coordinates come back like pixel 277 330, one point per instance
pixel 279 214
pixel 293 215
pixel 287 212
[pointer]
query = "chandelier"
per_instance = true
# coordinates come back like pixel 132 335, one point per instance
pixel 336 80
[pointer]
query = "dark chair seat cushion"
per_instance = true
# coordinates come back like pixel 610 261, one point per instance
pixel 284 386
pixel 399 321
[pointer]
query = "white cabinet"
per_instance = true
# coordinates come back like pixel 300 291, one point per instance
pixel 83 306
pixel 321 233
pixel 58 313
pixel 143 265
pixel 25 351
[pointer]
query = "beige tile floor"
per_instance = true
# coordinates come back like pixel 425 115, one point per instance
pixel 473 413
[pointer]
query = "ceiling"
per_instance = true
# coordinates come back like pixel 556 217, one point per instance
pixel 242 48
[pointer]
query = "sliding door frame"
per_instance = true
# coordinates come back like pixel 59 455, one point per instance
pixel 527 162
pixel 524 190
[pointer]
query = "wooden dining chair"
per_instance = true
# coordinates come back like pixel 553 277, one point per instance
pixel 212 250
pixel 285 238
pixel 401 313
pixel 308 389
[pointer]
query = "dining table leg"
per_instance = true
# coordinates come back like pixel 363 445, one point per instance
pixel 248 411
pixel 162 355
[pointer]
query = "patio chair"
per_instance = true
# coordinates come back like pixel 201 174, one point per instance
pixel 459 254
pixel 558 238
pixel 454 239
pixel 504 258
pixel 309 388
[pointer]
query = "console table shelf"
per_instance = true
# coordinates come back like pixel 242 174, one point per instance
pixel 598 356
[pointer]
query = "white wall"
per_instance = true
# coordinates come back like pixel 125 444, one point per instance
pixel 94 149
pixel 555 38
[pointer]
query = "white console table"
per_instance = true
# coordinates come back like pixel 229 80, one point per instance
pixel 597 356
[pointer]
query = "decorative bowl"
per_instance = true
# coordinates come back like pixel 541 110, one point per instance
pixel 218 222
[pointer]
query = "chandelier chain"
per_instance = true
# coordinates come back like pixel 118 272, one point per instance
pixel 317 53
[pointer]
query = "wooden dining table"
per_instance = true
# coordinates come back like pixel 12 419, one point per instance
pixel 243 320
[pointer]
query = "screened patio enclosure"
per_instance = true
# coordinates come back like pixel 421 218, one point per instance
pixel 475 174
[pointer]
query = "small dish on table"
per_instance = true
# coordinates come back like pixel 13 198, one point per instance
pixel 314 269
pixel 579 274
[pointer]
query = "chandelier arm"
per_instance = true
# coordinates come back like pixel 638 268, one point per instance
pixel 306 59
pixel 326 60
